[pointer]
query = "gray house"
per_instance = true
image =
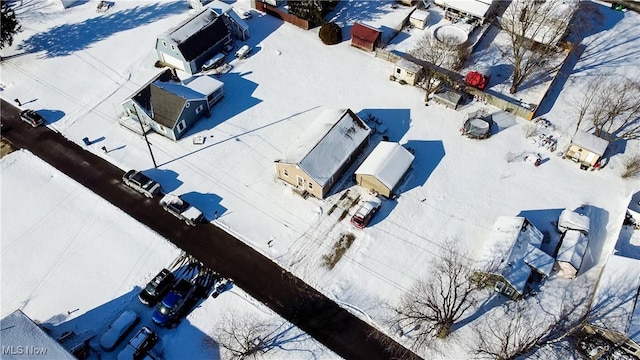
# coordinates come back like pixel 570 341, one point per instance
pixel 193 42
pixel 171 107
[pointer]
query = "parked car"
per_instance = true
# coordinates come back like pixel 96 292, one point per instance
pixel 141 183
pixel 243 51
pixel 139 345
pixel 32 117
pixel 169 308
pixel 157 288
pixel 181 209
pixel 216 61
pixel 365 212
pixel 118 329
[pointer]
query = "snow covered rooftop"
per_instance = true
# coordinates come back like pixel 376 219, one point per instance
pixel 188 28
pixel 26 340
pixel 408 65
pixel 205 85
pixel 476 8
pixel 538 260
pixel 327 143
pixel 388 162
pixel 590 142
pixel 615 305
pixel 509 243
pixel 573 248
pixel 420 15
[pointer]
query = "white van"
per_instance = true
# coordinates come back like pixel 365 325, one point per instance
pixel 243 51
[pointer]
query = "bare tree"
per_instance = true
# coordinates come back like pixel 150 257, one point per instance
pixel 522 329
pixel 610 106
pixel 244 335
pixel 434 303
pixel 534 29
pixel 444 53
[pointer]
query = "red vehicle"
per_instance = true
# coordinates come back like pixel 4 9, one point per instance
pixel 365 212
pixel 477 79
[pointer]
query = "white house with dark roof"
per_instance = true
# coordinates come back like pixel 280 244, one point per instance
pixel 170 107
pixel 193 42
pixel 513 254
pixel 382 171
pixel 314 162
pixel 615 311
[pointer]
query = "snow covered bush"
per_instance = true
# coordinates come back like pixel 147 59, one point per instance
pixel 331 33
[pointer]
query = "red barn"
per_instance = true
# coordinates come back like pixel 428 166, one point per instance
pixel 365 37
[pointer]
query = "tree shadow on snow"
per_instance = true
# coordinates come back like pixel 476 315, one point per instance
pixel 65 39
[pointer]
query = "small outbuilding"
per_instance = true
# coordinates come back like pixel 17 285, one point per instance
pixel 383 170
pixel 586 149
pixel 419 18
pixel 365 37
pixel 573 247
pixel 408 72
pixel 448 97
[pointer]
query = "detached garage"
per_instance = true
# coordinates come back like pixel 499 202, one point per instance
pixel 383 169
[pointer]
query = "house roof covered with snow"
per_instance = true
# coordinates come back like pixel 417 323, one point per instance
pixel 408 65
pixel 510 244
pixel 420 15
pixel 204 85
pixel 590 142
pixel 19 331
pixel 388 162
pixel 328 142
pixel 615 306
pixel 538 260
pixel 476 8
pixel 196 35
pixel 573 247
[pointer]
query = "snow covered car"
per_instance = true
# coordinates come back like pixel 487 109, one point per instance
pixel 169 308
pixel 141 183
pixel 214 62
pixel 118 329
pixel 157 288
pixel 181 209
pixel 139 345
pixel 31 117
pixel 365 212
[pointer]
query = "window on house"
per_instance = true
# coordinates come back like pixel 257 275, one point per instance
pixel 199 109
pixel 164 43
pixel 181 125
pixel 398 70
pixel 310 186
pixel 161 128
pixel 173 47
pixel 187 105
pixel 285 172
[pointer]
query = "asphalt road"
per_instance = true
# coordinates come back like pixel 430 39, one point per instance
pixel 266 281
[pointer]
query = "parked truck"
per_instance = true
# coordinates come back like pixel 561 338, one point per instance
pixel 181 209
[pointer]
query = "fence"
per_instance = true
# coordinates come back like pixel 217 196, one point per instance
pixel 282 15
pixel 387 55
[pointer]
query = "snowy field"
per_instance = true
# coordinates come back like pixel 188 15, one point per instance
pixel 76 66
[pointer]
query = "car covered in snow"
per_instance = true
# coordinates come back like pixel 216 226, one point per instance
pixel 118 329
pixel 157 288
pixel 31 117
pixel 141 183
pixel 181 209
pixel 139 345
pixel 169 309
pixel 365 212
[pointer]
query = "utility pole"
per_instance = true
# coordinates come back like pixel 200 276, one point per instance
pixel 144 133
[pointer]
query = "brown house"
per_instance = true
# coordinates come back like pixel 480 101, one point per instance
pixel 318 157
pixel 365 37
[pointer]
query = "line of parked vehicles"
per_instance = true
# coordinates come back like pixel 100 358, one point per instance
pixel 171 203
pixel 173 298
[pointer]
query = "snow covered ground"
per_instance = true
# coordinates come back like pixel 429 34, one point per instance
pixel 76 66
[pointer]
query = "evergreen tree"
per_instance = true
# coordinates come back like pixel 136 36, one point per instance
pixel 9 25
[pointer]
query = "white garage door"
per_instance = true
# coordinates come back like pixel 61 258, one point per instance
pixel 173 61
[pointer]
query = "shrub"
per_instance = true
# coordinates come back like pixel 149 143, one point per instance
pixel 330 33
pixel 631 167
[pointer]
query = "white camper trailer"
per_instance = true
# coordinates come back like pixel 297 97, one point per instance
pixel 571 220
